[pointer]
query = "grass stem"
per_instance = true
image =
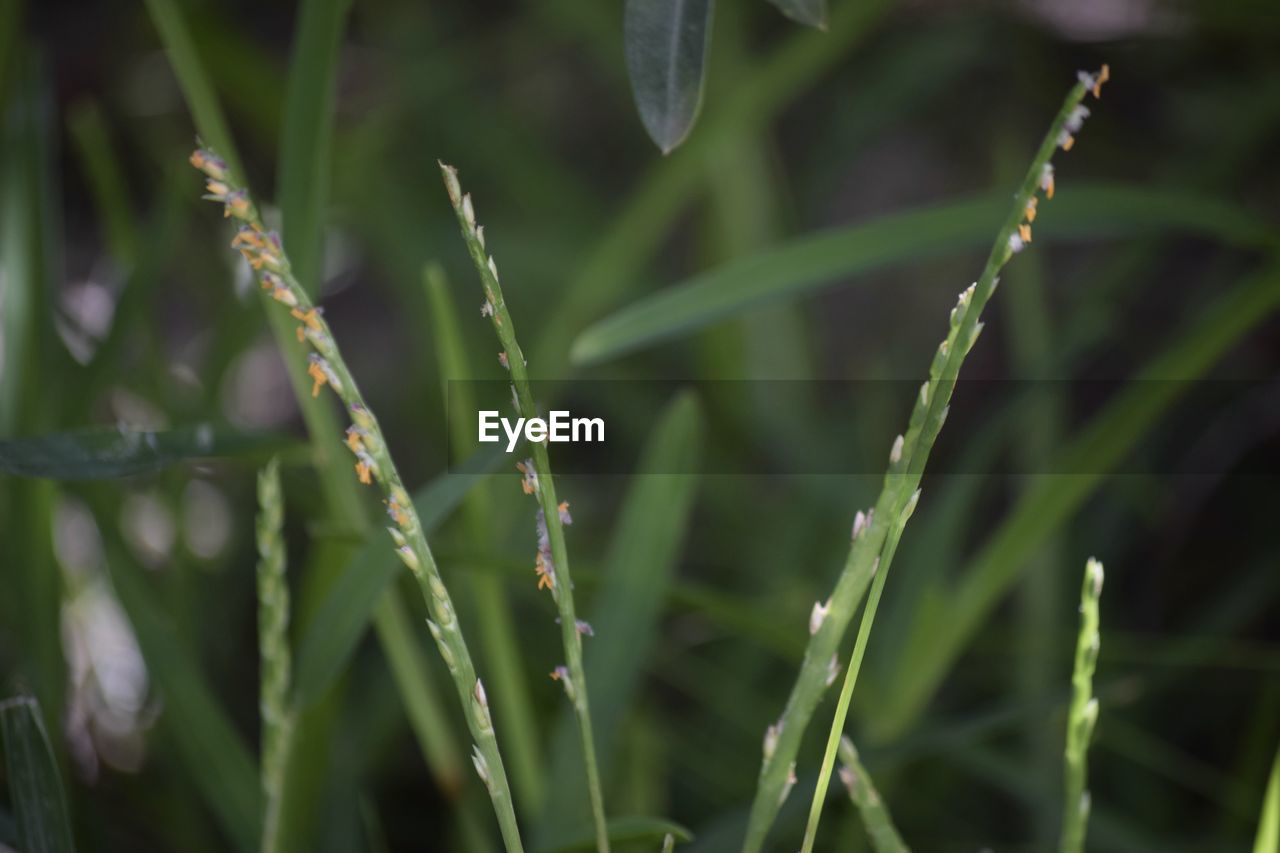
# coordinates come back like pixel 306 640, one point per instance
pixel 869 553
pixel 553 556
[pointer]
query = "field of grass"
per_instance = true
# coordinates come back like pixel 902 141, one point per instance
pixel 829 584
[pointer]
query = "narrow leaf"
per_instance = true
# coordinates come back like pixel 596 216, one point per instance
pixel 811 13
pixel 811 262
pixel 341 618
pixel 666 47
pixel 101 453
pixel 34 783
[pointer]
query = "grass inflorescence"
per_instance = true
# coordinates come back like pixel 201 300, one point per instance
pixel 552 559
pixel 264 252
pixel 1082 716
pixel 876 532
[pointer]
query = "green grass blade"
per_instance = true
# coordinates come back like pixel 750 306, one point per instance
pixel 340 619
pixel 1101 446
pixel 496 621
pixel 34 782
pixel 871 807
pixel 639 228
pixel 101 167
pixel 344 502
pixel 1082 716
pixel 273 652
pixel 306 140
pixel 197 88
pixel 216 757
pixel 1268 837
pixel 811 13
pixel 638 573
pixel 102 453
pixel 666 47
pixel 805 265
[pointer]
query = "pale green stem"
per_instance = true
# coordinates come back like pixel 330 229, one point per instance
pixel 374 463
pixel 1082 716
pixel 907 462
pixel 543 487
pixel 883 834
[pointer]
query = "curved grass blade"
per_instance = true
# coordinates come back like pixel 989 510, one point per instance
pixel 811 13
pixel 341 618
pixel 306 139
pixel 810 263
pixel 666 47
pixel 34 782
pixel 1268 837
pixel 630 831
pixel 103 453
pixel 638 573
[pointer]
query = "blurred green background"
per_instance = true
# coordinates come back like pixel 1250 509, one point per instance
pixel 127 604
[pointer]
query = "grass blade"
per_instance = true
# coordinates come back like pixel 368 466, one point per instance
pixel 666 47
pixel 638 573
pixel 34 782
pixel 103 453
pixel 1082 716
pixel 341 618
pixel 875 535
pixel 306 140
pixel 811 13
pixel 1268 838
pixel 493 611
pixel 553 556
pixel 810 263
pixel 882 833
pixel 273 652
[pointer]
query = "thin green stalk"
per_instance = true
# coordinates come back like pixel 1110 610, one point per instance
pixel 496 622
pixel 553 557
pixel 907 459
pixel 273 651
pixel 880 568
pixel 326 366
pixel 883 834
pixel 1082 716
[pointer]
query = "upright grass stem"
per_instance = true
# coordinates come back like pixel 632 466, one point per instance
pixel 553 557
pixel 365 440
pixel 1082 716
pixel 273 651
pixel 873 532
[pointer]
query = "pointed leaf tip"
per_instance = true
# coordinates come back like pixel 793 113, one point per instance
pixel 666 47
